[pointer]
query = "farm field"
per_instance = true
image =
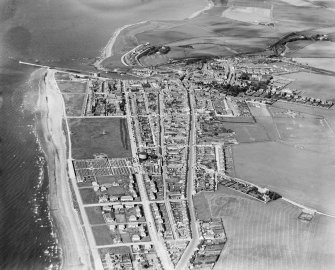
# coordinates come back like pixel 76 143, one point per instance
pixel 72 87
pixel 317 49
pixel 73 104
pixel 248 14
pixel 313 85
pixel 95 136
pixel 270 236
pixel 323 63
pixel 294 173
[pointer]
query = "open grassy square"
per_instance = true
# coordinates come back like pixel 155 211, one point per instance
pixel 94 215
pixel 74 104
pixel 95 136
pixel 113 179
pixel 246 133
pixel 102 235
pixel 114 250
pixel 88 195
pixel 72 87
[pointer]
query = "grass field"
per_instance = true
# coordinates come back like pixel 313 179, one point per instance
pixel 88 195
pixel 72 87
pixel 270 236
pixel 297 127
pixel 115 250
pixel 201 206
pixel 74 104
pixel 313 85
pixel 93 136
pixel 246 133
pixel 300 175
pixel 62 76
pixel 264 119
pixel 328 114
pixel 102 235
pixel 304 130
pixel 94 215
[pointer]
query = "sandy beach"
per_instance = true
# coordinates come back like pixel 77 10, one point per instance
pixel 75 250
pixel 107 51
pixel 197 13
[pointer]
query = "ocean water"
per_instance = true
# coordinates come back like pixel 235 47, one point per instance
pixel 65 33
pixel 27 239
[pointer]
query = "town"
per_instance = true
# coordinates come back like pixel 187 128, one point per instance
pixel 139 208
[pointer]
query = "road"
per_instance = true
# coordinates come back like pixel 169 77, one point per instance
pixel 183 262
pixel 96 117
pixel 125 244
pixel 156 240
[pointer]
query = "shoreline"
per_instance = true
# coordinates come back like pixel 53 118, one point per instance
pixel 74 250
pixel 107 51
pixel 197 13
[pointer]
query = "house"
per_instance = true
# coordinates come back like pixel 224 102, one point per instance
pixel 132 218
pixel 121 227
pixel 113 198
pixel 106 208
pixel 109 218
pixel 132 225
pixel 103 198
pixel 117 207
pixel 126 198
pixel 135 238
pixel 136 248
pixel 95 186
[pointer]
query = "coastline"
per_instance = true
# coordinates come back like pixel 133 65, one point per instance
pixel 75 252
pixel 197 13
pixel 107 51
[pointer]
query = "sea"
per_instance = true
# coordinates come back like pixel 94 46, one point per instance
pixel 62 33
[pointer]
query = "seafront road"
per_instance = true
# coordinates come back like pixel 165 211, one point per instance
pixel 77 234
pixel 184 260
pixel 75 255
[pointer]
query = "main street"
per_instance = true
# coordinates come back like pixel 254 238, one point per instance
pixel 157 241
pixel 162 147
pixel 183 262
